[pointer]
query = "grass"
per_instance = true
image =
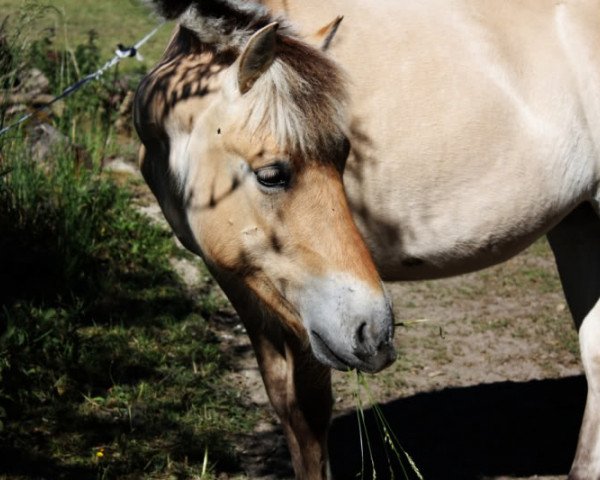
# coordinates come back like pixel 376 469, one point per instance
pixel 114 21
pixel 108 366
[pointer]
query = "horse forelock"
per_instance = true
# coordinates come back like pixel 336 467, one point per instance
pixel 225 24
pixel 300 101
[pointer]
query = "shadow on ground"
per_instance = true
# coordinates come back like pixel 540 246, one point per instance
pixel 469 433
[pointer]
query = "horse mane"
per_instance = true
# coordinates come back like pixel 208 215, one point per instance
pixel 224 24
pixel 300 101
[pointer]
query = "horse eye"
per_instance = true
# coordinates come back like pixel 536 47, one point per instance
pixel 274 176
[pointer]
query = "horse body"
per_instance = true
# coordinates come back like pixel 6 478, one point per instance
pixel 474 129
pixel 483 134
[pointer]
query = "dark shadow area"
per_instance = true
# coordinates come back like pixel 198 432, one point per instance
pixel 267 455
pixel 33 465
pixel 513 429
pixel 108 364
pixel 155 427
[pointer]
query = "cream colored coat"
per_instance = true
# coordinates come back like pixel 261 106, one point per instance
pixel 475 124
pixel 475 127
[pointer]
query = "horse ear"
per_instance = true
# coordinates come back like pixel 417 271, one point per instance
pixel 257 57
pixel 325 35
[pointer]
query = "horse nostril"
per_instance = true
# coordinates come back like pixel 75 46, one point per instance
pixel 360 333
pixel 362 347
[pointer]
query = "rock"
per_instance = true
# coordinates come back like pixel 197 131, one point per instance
pixel 120 165
pixel 45 141
pixel 34 82
pixel 124 122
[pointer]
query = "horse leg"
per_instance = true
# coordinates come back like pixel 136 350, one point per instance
pixel 299 389
pixel 576 246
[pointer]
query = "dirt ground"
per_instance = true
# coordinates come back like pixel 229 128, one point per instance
pixel 488 383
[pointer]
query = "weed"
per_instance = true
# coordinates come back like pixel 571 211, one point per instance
pixel 108 368
pixel 99 335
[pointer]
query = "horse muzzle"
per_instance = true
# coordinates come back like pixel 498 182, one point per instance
pixel 350 324
pixel 331 355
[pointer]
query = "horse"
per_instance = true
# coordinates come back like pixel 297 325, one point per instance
pixel 308 162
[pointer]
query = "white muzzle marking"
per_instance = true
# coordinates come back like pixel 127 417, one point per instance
pixel 350 324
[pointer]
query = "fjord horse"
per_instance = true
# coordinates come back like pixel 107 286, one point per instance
pixel 472 128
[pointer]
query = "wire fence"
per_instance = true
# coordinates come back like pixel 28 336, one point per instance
pixel 120 54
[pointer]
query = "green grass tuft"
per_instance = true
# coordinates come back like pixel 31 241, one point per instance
pixel 108 366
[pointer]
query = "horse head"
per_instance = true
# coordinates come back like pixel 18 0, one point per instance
pixel 244 133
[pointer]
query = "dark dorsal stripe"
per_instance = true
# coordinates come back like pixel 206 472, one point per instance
pixel 171 9
pixel 232 18
pixel 229 13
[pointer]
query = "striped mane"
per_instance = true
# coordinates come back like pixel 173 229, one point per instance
pixel 300 101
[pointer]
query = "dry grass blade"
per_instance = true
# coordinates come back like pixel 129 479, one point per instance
pixel 390 440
